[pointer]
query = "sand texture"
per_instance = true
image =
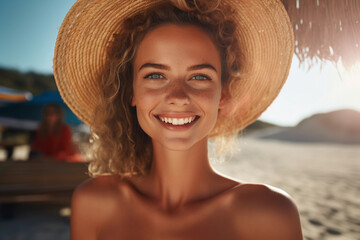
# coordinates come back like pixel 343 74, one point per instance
pixel 323 179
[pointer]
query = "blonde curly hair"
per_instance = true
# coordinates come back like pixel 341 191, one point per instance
pixel 119 144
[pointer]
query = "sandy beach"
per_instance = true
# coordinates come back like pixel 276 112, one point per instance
pixel 322 178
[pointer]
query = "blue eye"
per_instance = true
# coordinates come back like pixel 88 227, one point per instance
pixel 200 77
pixel 154 76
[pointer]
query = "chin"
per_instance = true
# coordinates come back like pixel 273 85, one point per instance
pixel 180 144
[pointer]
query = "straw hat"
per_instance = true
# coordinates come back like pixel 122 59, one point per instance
pixel 264 34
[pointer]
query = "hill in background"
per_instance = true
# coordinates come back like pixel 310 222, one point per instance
pixel 257 125
pixel 341 126
pixel 33 82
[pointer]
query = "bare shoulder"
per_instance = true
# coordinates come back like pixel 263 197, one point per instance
pixel 102 182
pixel 266 212
pixel 91 202
pixel 95 189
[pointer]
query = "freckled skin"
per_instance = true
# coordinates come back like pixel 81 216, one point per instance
pixel 177 91
pixel 182 197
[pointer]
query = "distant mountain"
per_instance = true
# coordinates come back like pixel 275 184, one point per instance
pixel 33 82
pixel 341 126
pixel 257 125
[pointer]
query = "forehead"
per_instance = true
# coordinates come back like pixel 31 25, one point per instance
pixel 177 44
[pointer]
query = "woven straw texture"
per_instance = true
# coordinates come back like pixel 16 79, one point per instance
pixel 265 39
pixel 326 30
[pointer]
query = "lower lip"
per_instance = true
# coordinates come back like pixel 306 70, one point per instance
pixel 177 127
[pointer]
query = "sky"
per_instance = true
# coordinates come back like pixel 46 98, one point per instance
pixel 28 31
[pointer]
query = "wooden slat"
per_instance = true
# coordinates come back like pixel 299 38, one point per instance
pixel 39 181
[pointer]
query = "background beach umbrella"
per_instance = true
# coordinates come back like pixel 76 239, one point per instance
pixel 12 95
pixel 326 30
pixel 27 114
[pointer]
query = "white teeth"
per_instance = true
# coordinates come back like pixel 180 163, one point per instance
pixel 177 121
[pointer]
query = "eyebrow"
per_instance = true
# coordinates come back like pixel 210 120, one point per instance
pixel 202 66
pixel 165 67
pixel 154 65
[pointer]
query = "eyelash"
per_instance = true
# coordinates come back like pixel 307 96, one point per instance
pixel 207 78
pixel 149 76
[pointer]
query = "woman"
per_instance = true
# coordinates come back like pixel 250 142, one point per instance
pixel 155 80
pixel 53 138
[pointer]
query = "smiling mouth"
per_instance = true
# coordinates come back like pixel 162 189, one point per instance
pixel 178 121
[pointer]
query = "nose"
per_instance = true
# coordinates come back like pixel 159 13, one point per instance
pixel 177 94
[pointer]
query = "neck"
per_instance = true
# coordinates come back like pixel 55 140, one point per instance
pixel 178 177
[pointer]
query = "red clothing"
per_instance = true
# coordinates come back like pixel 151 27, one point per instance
pixel 59 146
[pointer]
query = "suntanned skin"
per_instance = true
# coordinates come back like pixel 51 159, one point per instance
pixel 182 197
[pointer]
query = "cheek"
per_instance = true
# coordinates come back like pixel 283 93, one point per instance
pixel 208 100
pixel 146 101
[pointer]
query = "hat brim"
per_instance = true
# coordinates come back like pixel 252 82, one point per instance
pixel 264 34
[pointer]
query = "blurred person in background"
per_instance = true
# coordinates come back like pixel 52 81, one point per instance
pixel 53 138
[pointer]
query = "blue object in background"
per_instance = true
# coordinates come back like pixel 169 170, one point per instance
pixel 8 95
pixel 32 110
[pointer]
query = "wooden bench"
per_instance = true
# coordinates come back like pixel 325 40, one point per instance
pixel 40 181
